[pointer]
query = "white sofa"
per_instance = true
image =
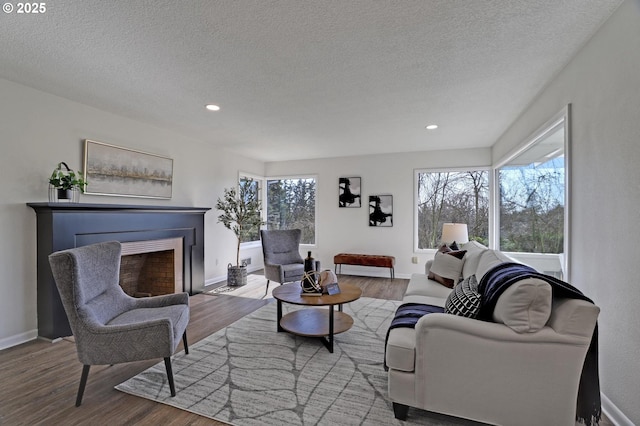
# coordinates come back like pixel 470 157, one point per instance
pixel 521 369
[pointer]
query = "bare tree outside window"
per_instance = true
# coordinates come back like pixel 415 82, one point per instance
pixel 532 207
pixel 459 197
pixel 291 204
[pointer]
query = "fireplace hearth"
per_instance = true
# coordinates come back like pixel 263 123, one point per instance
pixel 176 230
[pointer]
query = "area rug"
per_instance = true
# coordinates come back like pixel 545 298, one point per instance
pixel 255 288
pixel 249 374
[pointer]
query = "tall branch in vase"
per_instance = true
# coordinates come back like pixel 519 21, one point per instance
pixel 241 211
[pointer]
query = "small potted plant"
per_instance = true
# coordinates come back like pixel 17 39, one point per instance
pixel 240 212
pixel 65 184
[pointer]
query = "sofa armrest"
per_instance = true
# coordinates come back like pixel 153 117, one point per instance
pixel 440 325
pixel 163 300
pixel 427 266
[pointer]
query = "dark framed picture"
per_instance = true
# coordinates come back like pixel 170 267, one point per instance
pixel 349 189
pixel 381 210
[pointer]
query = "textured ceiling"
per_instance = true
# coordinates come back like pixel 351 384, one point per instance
pixel 304 78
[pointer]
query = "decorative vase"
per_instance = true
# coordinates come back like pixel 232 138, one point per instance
pixel 236 275
pixel 308 263
pixel 59 195
pixel 61 179
pixel 309 283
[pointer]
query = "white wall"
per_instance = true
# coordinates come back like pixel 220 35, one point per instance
pixel 38 130
pixel 602 84
pixel 347 229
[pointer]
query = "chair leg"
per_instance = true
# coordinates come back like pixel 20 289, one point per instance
pixel 83 383
pixel 184 342
pixel 172 386
pixel 400 411
pixel 267 290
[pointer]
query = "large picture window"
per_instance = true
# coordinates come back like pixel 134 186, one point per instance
pixel 249 188
pixel 291 204
pixel 451 196
pixel 532 197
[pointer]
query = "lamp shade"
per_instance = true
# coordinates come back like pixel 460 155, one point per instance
pixel 455 232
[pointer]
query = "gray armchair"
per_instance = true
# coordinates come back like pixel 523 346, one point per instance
pixel 282 260
pixel 109 326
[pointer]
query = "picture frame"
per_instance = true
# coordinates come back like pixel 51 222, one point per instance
pixel 349 192
pixel 124 172
pixel 381 210
pixel 332 289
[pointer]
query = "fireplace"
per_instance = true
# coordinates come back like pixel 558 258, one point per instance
pixel 152 267
pixel 157 236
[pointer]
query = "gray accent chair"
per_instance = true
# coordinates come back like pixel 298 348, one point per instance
pixel 282 260
pixel 109 326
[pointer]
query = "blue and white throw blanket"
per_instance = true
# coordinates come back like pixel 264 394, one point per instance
pixel 407 315
pixel 498 279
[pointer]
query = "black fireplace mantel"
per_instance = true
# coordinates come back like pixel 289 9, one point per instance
pixel 67 225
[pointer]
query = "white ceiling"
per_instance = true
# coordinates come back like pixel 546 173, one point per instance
pixel 304 78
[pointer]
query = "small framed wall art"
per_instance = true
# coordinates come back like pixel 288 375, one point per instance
pixel 112 170
pixel 381 210
pixel 349 189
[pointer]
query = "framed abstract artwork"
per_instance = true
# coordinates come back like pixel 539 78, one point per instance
pixel 124 172
pixel 381 210
pixel 349 189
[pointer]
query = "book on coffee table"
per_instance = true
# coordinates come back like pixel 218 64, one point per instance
pixel 310 293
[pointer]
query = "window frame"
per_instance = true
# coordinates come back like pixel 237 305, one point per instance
pixel 315 207
pixel 416 198
pixel 261 193
pixel 561 118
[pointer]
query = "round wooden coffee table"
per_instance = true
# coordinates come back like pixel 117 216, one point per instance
pixel 322 323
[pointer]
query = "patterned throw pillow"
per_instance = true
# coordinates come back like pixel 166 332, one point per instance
pixel 464 300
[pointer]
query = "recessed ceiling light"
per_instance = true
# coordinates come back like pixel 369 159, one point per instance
pixel 212 107
pixel 431 127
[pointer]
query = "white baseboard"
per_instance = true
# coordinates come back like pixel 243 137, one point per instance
pixel 382 273
pixel 613 413
pixel 18 339
pixel 220 278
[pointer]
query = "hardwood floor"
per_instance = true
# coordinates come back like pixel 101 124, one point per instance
pixel 39 379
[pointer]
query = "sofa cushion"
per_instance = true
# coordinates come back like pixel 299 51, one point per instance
pixel 401 349
pixel 421 286
pixel 525 306
pixel 447 267
pixel 474 251
pixel 464 300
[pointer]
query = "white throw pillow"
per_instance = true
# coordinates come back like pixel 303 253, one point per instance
pixel 447 267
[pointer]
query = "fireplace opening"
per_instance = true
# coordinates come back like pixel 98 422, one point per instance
pixel 151 268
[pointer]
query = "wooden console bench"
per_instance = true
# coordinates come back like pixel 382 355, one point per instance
pixel 380 261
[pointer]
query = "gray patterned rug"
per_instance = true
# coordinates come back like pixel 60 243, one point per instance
pixel 248 374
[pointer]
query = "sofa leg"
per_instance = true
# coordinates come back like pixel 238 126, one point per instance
pixel 400 411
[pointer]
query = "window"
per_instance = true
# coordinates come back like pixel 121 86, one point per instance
pixel 291 204
pixel 451 196
pixel 532 197
pixel 249 189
